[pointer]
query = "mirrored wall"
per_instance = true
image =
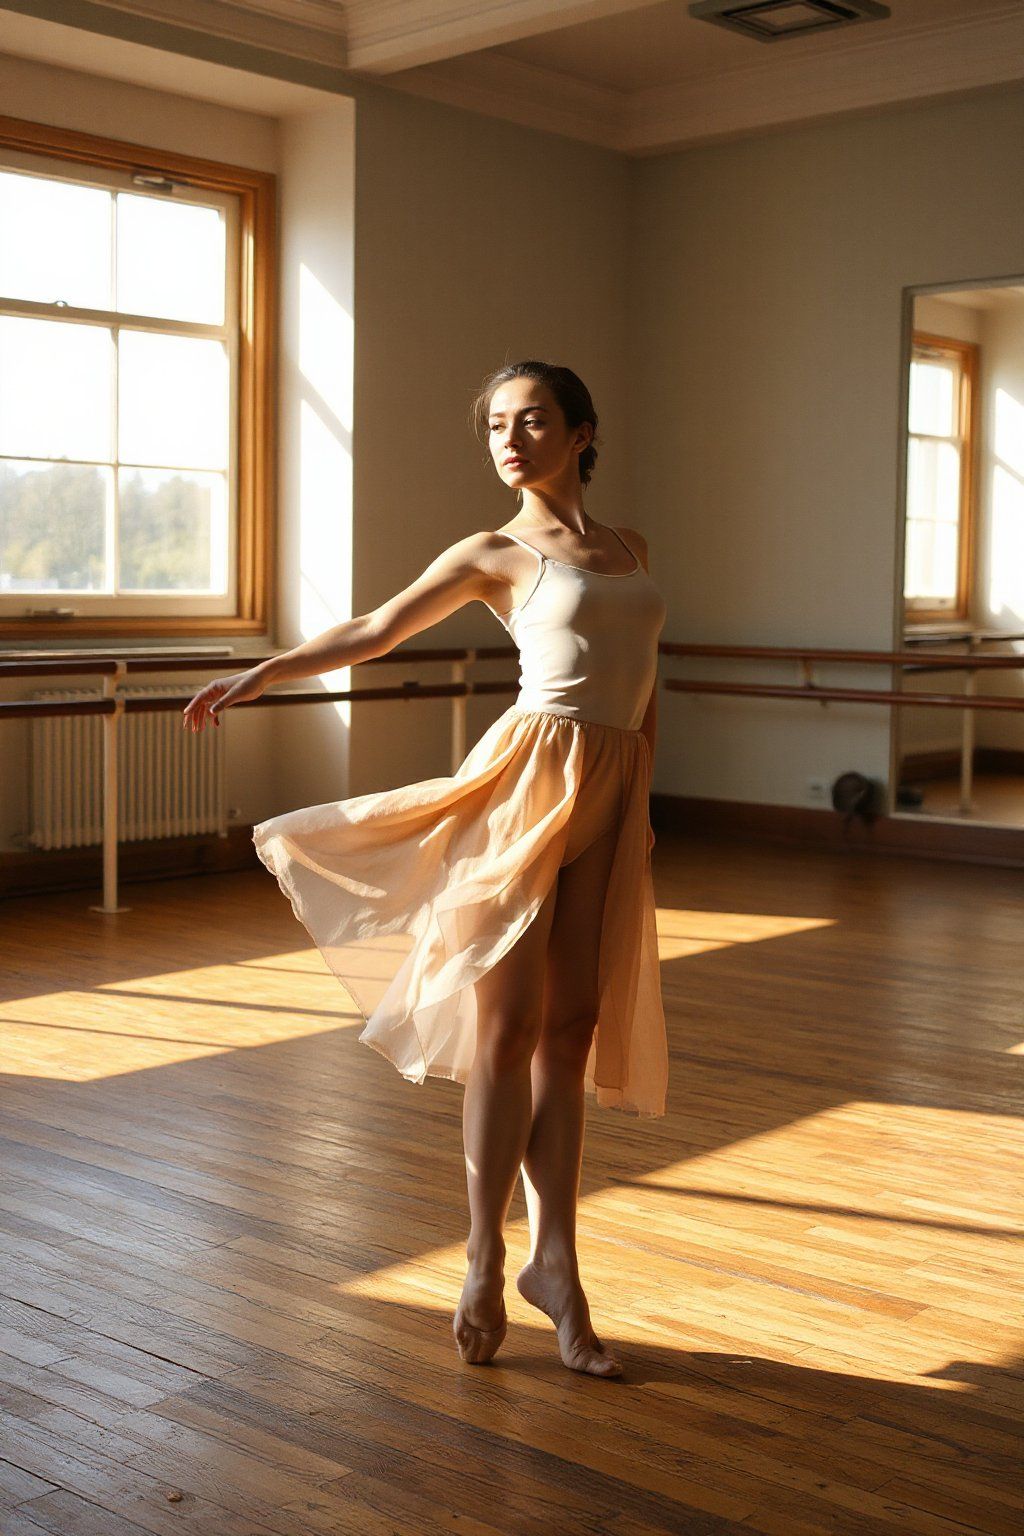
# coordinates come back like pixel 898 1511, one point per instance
pixel 961 553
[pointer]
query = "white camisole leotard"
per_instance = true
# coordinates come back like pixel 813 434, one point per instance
pixel 588 640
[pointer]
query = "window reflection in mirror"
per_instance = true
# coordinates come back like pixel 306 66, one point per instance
pixel 963 555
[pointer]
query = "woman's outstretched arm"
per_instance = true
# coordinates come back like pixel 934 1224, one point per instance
pixel 458 575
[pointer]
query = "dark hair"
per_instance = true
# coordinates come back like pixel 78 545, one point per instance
pixel 569 390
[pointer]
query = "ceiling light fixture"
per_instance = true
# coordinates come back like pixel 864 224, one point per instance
pixel 770 20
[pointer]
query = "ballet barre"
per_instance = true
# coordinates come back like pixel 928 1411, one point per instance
pixel 112 705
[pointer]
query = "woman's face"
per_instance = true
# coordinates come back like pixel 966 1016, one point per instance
pixel 530 443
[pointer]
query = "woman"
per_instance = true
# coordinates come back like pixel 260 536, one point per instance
pixel 524 878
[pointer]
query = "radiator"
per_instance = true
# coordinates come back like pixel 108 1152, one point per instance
pixel 170 780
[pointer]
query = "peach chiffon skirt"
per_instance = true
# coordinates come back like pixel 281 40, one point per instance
pixel 459 866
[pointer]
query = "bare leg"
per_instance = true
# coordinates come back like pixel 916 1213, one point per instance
pixel 554 1153
pixel 496 1111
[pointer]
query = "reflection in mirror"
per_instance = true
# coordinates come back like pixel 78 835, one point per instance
pixel 963 556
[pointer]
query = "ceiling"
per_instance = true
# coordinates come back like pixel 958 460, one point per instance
pixel 1009 296
pixel 624 74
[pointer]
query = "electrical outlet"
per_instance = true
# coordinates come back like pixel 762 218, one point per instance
pixel 817 789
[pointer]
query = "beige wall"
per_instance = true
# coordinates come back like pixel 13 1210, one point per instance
pixel 309 744
pixel 764 327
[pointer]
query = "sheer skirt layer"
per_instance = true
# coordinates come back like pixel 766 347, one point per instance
pixel 459 866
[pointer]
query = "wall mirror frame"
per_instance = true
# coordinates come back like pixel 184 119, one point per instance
pixel 959 558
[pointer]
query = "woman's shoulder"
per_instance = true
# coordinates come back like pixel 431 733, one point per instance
pixel 501 548
pixel 474 546
pixel 636 541
pixel 497 561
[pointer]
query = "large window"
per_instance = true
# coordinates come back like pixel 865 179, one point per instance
pixel 136 409
pixel 940 483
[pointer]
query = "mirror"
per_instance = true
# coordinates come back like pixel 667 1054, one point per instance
pixel 962 553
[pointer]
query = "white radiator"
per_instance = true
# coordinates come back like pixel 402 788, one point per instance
pixel 170 780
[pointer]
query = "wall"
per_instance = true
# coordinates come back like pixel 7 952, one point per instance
pixel 764 325
pixel 309 744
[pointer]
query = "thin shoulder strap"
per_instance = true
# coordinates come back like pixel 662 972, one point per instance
pixel 542 558
pixel 625 546
pixel 542 566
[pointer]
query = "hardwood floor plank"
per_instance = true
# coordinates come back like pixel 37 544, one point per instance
pixel 17 1486
pixel 966 1503
pixel 81 1384
pixel 65 1514
pixel 123 1491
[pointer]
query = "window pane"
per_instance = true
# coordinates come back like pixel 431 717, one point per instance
pixel 170 259
pixel 933 480
pixel 173 401
pixel 173 532
pixel 931 567
pixel 932 398
pixel 54 241
pixel 52 520
pixel 55 389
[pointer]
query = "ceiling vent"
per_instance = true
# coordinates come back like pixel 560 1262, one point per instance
pixel 770 20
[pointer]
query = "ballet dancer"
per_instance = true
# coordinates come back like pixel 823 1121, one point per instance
pixel 524 878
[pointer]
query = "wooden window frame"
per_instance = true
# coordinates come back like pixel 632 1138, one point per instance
pixel 966 354
pixel 256 422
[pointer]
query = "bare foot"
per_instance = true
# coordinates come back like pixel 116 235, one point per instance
pixel 561 1297
pixel 480 1321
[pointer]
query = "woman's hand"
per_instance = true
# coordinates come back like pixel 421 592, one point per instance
pixel 221 694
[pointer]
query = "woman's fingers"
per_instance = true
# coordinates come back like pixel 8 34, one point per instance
pixel 219 695
pixel 194 711
pixel 197 708
pixel 218 705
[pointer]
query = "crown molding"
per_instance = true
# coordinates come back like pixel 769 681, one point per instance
pixel 869 71
pixel 310 15
pixel 516 92
pixel 313 30
pixel 934 59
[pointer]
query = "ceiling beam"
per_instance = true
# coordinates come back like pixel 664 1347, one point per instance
pixel 403 34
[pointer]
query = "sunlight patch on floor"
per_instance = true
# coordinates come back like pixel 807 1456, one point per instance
pixel 170 1017
pixel 824 1242
pixel 683 932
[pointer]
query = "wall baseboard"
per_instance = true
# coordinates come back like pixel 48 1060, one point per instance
pixel 927 838
pixel 159 858
pixel 29 874
pixel 944 763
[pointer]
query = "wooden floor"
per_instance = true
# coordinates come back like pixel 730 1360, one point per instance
pixel 234 1236
pixel 997 799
